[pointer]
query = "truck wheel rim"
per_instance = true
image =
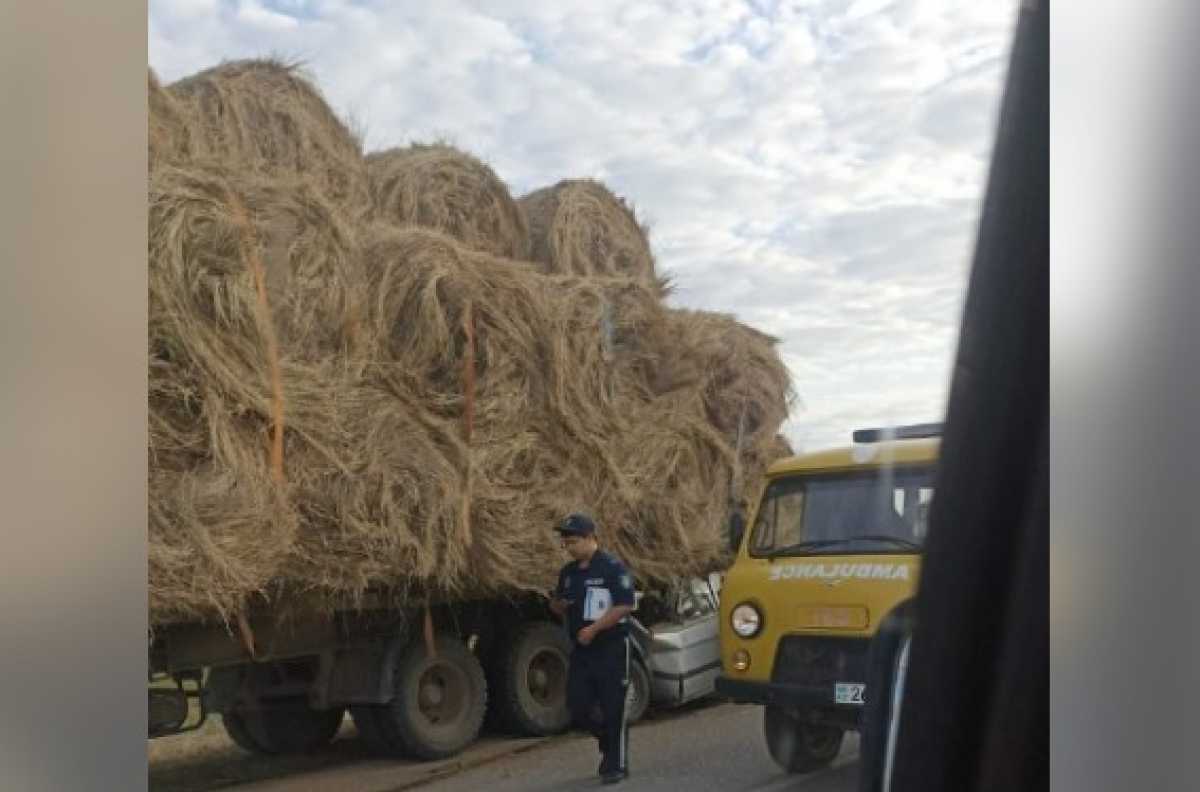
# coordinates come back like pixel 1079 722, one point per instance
pixel 546 677
pixel 441 694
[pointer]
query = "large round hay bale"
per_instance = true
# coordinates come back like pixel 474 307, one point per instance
pixel 265 116
pixel 434 431
pixel 728 381
pixel 677 469
pixel 423 286
pixel 168 124
pixel 561 365
pixel 440 187
pixel 416 509
pixel 382 503
pixel 735 370
pixel 565 417
pixel 578 227
pixel 228 250
pixel 253 300
pixel 214 539
pixel 541 344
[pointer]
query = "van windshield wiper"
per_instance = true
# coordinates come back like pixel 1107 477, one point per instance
pixel 895 540
pixel 815 544
pixel 800 547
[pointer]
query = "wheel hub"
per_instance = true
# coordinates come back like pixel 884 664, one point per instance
pixel 432 694
pixel 546 678
pixel 441 694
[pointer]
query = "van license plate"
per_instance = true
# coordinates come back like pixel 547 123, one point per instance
pixel 849 694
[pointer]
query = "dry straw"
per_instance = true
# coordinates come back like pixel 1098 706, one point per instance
pixel 338 407
pixel 169 125
pixel 578 227
pixel 266 116
pixel 440 187
pixel 253 313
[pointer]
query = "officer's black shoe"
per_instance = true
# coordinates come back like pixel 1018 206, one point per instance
pixel 614 776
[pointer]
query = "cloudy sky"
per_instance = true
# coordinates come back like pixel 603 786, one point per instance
pixel 815 167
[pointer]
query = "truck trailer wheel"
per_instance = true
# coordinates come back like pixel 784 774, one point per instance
pixel 235 727
pixel 373 735
pixel 440 702
pixel 282 726
pixel 530 695
pixel 799 746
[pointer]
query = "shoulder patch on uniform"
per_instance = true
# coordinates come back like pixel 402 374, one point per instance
pixel 625 582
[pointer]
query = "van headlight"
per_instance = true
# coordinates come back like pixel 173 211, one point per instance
pixel 746 620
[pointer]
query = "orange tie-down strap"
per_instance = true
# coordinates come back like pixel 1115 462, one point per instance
pixel 249 246
pixel 249 250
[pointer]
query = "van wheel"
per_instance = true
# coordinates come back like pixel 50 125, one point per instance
pixel 799 746
pixel 283 726
pixel 531 681
pixel 439 705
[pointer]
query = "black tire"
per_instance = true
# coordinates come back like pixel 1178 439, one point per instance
pixel 366 720
pixel 283 726
pixel 637 698
pixel 530 681
pixel 440 702
pixel 235 727
pixel 797 745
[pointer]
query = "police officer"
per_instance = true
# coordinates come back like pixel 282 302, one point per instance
pixel 595 596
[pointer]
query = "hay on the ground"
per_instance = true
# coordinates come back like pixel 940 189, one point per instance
pixel 265 116
pixel 439 187
pixel 578 227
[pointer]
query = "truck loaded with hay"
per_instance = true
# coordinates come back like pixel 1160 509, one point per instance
pixel 375 383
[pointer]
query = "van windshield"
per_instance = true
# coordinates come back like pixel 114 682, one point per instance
pixel 881 511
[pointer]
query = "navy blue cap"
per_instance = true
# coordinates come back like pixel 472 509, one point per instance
pixel 576 525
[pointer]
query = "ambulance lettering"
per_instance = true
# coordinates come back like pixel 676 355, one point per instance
pixel 839 572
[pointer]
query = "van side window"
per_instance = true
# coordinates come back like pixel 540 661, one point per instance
pixel 780 518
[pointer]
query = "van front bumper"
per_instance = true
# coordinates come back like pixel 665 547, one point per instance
pixel 742 691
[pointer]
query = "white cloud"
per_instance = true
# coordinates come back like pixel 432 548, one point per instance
pixel 254 15
pixel 190 9
pixel 814 167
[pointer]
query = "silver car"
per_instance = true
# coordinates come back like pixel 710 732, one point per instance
pixel 679 651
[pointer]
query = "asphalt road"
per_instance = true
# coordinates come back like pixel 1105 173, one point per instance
pixel 705 746
pixel 713 747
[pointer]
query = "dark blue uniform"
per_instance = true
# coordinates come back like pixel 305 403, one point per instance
pixel 599 673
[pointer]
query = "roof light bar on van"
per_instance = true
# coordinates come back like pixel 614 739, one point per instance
pixel 913 432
